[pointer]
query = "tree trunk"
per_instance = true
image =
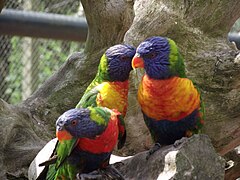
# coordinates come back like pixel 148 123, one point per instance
pixel 198 27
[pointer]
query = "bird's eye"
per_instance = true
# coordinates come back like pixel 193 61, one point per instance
pixel 125 58
pixel 74 122
pixel 150 55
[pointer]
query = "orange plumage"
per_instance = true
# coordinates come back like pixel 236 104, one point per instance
pixel 170 99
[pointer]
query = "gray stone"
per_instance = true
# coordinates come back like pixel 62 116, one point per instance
pixel 194 158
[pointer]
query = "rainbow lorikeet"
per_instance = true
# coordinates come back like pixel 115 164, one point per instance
pixel 171 104
pixel 110 86
pixel 86 139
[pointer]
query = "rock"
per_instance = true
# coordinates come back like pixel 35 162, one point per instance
pixel 194 158
pixel 188 158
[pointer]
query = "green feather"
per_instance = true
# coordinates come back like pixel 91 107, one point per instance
pixel 51 172
pixel 89 96
pixel 201 110
pixel 102 73
pixel 64 149
pixel 61 167
pixel 177 66
pixel 122 136
pixel 88 99
pixel 100 115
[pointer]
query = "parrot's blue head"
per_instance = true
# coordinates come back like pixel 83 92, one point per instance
pixel 119 59
pixel 160 58
pixel 78 123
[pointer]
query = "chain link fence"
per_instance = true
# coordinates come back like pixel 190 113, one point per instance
pixel 25 63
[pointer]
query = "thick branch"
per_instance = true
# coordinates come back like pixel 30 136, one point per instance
pixel 213 17
pixel 173 18
pixel 108 21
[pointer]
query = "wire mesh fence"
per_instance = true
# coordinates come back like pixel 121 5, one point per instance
pixel 25 63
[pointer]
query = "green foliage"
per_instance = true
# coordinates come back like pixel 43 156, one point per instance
pixel 14 77
pixel 48 55
pixel 52 56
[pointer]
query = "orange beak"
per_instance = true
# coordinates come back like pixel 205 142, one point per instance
pixel 137 61
pixel 63 135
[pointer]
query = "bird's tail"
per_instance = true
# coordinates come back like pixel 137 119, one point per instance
pixel 48 173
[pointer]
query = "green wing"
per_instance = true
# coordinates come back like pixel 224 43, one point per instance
pixel 61 167
pixel 56 166
pixel 180 66
pixel 90 95
pixel 201 119
pixel 64 150
pixel 89 98
pixel 122 132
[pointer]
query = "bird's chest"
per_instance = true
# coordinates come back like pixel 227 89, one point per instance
pixel 113 96
pixel 156 98
pixel 169 99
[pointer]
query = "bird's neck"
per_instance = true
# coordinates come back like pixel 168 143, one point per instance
pixel 114 95
pixel 104 142
pixel 120 85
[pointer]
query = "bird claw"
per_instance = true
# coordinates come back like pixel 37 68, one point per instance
pixel 179 142
pixel 110 172
pixel 113 173
pixel 153 149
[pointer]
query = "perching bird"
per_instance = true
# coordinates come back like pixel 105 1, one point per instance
pixel 86 139
pixel 110 86
pixel 171 104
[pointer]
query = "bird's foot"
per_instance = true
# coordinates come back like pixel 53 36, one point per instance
pixel 177 143
pixel 109 172
pixel 153 149
pixel 112 173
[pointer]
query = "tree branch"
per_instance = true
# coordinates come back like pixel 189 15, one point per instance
pixel 108 21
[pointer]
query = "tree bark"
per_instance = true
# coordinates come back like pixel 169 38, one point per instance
pixel 198 27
